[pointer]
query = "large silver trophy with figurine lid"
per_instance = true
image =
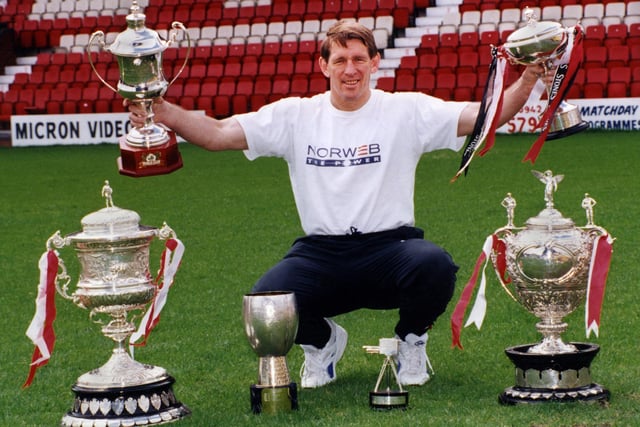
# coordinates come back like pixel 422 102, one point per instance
pixel 115 285
pixel 550 264
pixel 545 43
pixel 150 149
pixel 271 325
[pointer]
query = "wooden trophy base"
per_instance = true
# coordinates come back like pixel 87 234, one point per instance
pixel 142 161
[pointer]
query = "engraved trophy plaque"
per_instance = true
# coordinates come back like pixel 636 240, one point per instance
pixel 545 42
pixel 550 262
pixel 150 149
pixel 114 285
pixel 389 396
pixel 271 324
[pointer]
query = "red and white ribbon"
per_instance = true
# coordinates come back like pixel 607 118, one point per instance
pixel 169 263
pixel 40 331
pixel 568 67
pixel 484 130
pixel 598 272
pixel 480 306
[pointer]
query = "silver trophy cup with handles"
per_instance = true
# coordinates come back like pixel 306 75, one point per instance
pixel 544 42
pixel 150 149
pixel 114 285
pixel 271 324
pixel 548 261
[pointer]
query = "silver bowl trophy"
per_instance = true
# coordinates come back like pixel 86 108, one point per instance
pixel 549 261
pixel 546 43
pixel 151 149
pixel 390 396
pixel 556 49
pixel 114 285
pixel 271 325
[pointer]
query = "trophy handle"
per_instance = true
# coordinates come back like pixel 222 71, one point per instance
pixel 62 278
pixel 166 232
pixel 98 35
pixel 172 39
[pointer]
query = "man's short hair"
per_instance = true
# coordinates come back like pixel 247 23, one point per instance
pixel 342 31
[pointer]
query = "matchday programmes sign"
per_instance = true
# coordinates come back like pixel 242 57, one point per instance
pixel 69 129
pixel 603 114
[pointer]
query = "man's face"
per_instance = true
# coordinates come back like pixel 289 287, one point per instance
pixel 349 71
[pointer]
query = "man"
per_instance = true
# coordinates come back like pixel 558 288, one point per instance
pixel 352 154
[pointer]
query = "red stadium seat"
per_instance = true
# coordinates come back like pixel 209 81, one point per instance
pixel 405 80
pixel 410 62
pixel 299 85
pixel 226 86
pixel 222 106
pixel 386 83
pixel 285 64
pixel 244 85
pixel 303 64
pixel 618 56
pixel 593 90
pixel 281 84
pixel 425 80
pixel 262 85
pixel 430 42
pixel 318 83
pixel 620 74
pixel 595 57
pixel 616 35
pixel 428 61
pixel 617 90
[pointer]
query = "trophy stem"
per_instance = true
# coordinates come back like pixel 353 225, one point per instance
pixel 150 135
pixel 551 342
pixel 273 371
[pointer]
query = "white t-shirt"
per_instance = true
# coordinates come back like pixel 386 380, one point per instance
pixel 353 169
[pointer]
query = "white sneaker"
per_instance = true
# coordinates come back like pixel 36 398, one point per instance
pixel 414 367
pixel 319 367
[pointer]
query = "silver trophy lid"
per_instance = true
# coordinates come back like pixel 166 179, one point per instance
pixel 137 40
pixel 536 41
pixel 111 222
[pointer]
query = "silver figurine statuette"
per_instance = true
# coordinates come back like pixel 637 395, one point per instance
pixel 271 325
pixel 150 149
pixel 114 285
pixel 544 42
pixel 548 261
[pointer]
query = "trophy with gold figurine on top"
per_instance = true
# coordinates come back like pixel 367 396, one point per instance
pixel 549 266
pixel 150 149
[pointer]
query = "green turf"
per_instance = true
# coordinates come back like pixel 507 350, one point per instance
pixel 237 218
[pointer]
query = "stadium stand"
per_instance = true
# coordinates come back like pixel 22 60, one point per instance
pixel 246 53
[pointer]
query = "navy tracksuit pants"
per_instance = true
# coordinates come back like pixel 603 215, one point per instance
pixel 332 275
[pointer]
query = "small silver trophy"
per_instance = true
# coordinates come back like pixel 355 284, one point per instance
pixel 271 325
pixel 114 284
pixel 389 395
pixel 549 261
pixel 544 42
pixel 149 150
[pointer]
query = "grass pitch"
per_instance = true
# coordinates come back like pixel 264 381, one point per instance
pixel 237 218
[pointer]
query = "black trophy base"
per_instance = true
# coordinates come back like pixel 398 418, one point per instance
pixel 272 400
pixel 563 133
pixel 389 399
pixel 562 377
pixel 148 161
pixel 146 404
